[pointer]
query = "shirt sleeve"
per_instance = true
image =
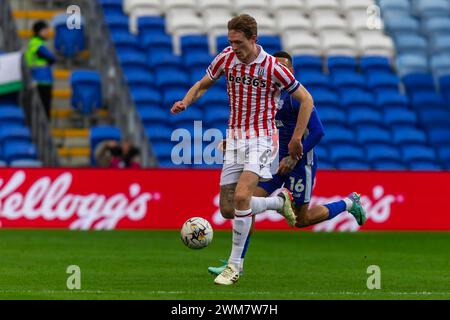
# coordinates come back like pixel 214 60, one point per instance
pixel 46 54
pixel 217 66
pixel 284 78
pixel 316 132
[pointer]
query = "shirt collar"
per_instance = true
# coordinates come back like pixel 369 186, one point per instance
pixel 259 59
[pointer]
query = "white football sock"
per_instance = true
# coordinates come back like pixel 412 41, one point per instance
pixel 260 204
pixel 242 223
pixel 348 203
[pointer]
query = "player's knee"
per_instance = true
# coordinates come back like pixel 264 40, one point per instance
pixel 241 199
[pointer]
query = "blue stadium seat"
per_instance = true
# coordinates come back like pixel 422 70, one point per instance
pixel 140 79
pixel 395 6
pixel 440 64
pixel 222 42
pixel 125 41
pixel 86 91
pixel 444 154
pixel 434 118
pixel 417 82
pixel 424 166
pixel 364 115
pixel 375 64
pixel 382 81
pixel 100 133
pixel 270 43
pixel 348 80
pixel 19 150
pixel 408 136
pixel 158 132
pixel 163 150
pixel 197 60
pixel 429 100
pixel 339 64
pixel 411 63
pixel 194 44
pixel 355 97
pixel 307 63
pixel 186 119
pixel 170 96
pixel 111 7
pixel 326 165
pixel 151 25
pixel 321 152
pixel 431 8
pixel 14 133
pixel 68 42
pixel 439 136
pixel 400 24
pixel 324 97
pixel 436 26
pixel 214 96
pixel 332 115
pixel 411 43
pixel 346 152
pixel 215 117
pixel 3 163
pixel 157 43
pixel 352 165
pixel 417 153
pixel 382 152
pixel 338 134
pixel 444 86
pixel 399 116
pixel 389 165
pixel 150 116
pixel 146 96
pixel 388 99
pixel 373 134
pixel 172 79
pixel 117 22
pixel 133 61
pixel 11 115
pixel 439 44
pixel 313 80
pixel 165 61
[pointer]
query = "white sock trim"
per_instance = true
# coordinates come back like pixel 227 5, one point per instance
pixel 242 213
pixel 348 203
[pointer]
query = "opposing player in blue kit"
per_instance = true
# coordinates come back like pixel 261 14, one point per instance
pixel 298 176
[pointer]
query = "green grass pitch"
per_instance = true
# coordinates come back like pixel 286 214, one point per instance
pixel 279 265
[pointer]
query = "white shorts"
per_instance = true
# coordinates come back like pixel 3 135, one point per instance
pixel 253 154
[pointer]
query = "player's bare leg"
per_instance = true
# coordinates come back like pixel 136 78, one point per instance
pixel 242 222
pixel 308 217
pixel 226 202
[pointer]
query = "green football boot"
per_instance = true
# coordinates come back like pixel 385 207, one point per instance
pixel 357 209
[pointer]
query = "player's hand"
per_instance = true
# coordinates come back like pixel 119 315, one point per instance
pixel 178 107
pixel 287 164
pixel 296 148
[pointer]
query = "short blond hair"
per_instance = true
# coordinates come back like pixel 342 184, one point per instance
pixel 244 23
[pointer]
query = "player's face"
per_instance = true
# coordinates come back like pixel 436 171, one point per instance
pixel 285 62
pixel 242 46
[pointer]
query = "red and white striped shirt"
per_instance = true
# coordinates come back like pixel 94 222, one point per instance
pixel 253 91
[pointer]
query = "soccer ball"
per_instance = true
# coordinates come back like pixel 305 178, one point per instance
pixel 196 233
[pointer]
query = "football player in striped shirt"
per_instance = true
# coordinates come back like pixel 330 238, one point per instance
pixel 298 176
pixel 255 81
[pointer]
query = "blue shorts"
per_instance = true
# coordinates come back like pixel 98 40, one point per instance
pixel 299 181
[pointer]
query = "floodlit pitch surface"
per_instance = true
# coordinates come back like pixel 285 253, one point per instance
pixel 279 265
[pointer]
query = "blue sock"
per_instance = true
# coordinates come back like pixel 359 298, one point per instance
pixel 335 208
pixel 245 247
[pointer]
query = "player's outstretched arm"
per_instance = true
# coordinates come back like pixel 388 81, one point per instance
pixel 194 93
pixel 306 105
